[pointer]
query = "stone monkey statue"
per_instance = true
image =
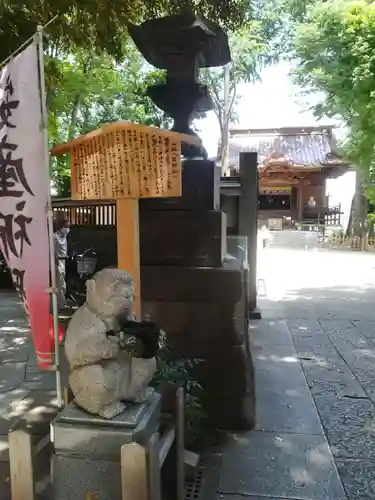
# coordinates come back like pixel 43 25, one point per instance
pixel 102 373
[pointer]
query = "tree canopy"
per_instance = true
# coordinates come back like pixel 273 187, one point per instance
pixel 95 74
pixel 101 24
pixel 335 47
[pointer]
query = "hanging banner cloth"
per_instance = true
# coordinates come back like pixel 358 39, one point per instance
pixel 23 196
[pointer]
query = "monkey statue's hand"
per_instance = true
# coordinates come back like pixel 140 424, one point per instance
pixel 142 339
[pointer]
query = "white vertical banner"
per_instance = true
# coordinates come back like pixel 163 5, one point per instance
pixel 24 188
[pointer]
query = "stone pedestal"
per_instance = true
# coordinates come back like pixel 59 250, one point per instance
pixel 190 290
pixel 204 312
pixel 86 454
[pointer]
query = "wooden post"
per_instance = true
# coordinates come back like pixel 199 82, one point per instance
pixel 153 464
pixel 21 465
pixel 134 474
pixel 180 443
pixel 300 202
pixel 68 395
pixel 127 223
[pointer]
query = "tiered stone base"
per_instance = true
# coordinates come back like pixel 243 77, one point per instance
pixel 204 314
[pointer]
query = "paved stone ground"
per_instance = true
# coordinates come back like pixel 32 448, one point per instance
pixel 314 353
pixel 22 386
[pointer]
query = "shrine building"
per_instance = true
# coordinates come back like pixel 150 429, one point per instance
pixel 294 164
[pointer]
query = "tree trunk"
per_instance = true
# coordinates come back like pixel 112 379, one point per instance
pixel 357 225
pixel 225 131
pixel 224 149
pixel 73 117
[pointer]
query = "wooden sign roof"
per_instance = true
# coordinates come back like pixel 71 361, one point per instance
pixel 125 160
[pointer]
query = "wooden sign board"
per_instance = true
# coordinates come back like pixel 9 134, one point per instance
pixel 125 160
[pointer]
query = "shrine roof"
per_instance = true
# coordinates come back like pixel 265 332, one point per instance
pixel 307 147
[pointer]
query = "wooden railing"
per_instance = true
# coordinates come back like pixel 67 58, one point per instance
pixel 329 216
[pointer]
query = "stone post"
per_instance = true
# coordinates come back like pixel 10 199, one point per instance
pixel 248 221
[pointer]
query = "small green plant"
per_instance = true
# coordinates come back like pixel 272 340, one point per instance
pixel 181 372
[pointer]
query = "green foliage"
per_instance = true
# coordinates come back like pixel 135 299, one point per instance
pixel 86 89
pixel 335 47
pixel 252 47
pixel 182 373
pixel 100 24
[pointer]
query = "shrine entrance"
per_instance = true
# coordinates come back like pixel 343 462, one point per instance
pixel 275 199
pixel 275 206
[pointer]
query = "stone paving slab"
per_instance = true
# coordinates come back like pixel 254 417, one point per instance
pixel 22 403
pixel 281 386
pixel 346 388
pixel 11 407
pixel 289 411
pixel 286 465
pixel 349 425
pixel 4 481
pixel 324 366
pixel 358 477
pixel 361 362
pixel 367 328
pixel 308 333
pixel 14 342
pixel 270 332
pixel 12 375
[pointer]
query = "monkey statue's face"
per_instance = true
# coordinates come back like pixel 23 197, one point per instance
pixel 110 293
pixel 119 298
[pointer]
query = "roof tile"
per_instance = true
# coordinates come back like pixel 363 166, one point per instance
pixel 304 149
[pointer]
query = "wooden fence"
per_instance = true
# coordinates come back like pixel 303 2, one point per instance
pixel 342 242
pixel 87 214
pixel 327 216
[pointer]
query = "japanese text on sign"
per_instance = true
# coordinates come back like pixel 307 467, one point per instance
pixel 129 162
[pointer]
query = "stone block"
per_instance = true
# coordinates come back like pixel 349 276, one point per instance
pixel 192 284
pixel 204 314
pixel 182 237
pixel 172 317
pixel 218 321
pixel 230 411
pixel 200 189
pixel 194 327
pixel 227 370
